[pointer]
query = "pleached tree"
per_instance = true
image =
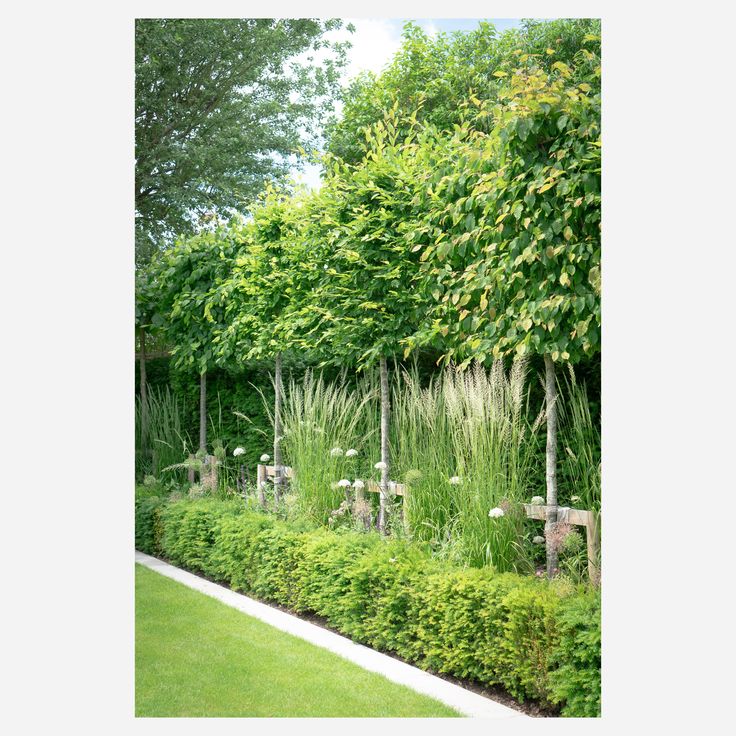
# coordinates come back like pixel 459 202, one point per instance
pixel 364 296
pixel 513 230
pixel 192 303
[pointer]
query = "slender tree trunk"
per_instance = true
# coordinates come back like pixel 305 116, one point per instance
pixel 203 411
pixel 278 467
pixel 551 474
pixel 385 470
pixel 144 389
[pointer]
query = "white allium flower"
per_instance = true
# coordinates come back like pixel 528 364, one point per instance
pixel 495 513
pixel 358 485
pixel 537 501
pixel 238 451
pixel 265 458
pixel 344 483
pixel 380 465
pixel 351 453
pixel 455 480
pixel 336 451
pixel 574 498
pixel 538 540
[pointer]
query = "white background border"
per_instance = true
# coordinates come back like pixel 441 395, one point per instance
pixel 668 391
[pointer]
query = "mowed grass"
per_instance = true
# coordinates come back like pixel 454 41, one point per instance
pixel 195 656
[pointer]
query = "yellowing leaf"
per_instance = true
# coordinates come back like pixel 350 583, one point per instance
pixel 500 74
pixel 550 51
pixel 565 279
pixel 547 186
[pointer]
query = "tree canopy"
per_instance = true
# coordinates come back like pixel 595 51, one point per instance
pixel 435 74
pixel 220 106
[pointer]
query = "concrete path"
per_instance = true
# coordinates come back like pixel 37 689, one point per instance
pixel 466 702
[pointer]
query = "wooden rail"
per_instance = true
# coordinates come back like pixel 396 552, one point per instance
pixel 577 517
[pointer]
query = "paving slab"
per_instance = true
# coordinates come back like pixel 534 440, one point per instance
pixel 464 701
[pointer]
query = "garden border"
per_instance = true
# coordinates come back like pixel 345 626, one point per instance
pixel 468 703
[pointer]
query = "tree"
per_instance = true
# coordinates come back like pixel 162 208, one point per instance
pixel 514 229
pixel 192 304
pixel 259 291
pixel 220 106
pixel 366 299
pixel 436 74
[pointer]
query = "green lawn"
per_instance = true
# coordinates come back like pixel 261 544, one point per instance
pixel 195 656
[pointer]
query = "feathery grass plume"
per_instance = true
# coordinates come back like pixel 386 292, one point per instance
pixel 318 417
pixel 422 453
pixel 493 451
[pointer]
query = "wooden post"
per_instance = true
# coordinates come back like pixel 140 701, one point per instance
pixel 260 482
pixel 592 535
pixel 190 470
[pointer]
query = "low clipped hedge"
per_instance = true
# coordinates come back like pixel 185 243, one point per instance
pixel 539 641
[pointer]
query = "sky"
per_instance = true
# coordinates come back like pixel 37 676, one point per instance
pixel 374 43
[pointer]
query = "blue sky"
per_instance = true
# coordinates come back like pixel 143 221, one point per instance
pixel 374 43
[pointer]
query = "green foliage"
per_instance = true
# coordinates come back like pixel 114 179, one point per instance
pixel 576 680
pixel 365 297
pixel 580 439
pixel 319 418
pixel 436 74
pixel 221 104
pixel 165 441
pixel 506 629
pixel 512 232
pixel 147 529
pixel 193 307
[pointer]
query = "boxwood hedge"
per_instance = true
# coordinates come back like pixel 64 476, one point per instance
pixel 538 640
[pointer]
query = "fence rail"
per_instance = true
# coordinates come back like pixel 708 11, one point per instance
pixel 565 514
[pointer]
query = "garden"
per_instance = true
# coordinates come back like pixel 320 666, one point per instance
pixel 377 402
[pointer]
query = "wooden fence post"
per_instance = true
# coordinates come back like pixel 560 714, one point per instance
pixel 592 534
pixel 190 470
pixel 260 482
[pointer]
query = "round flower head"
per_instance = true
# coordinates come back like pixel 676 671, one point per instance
pixel 351 453
pixel 537 501
pixel 413 475
pixel 265 458
pixel 455 480
pixel 538 540
pixel 344 483
pixel 238 451
pixel 336 452
pixel 495 513
pixel 380 465
pixel 358 484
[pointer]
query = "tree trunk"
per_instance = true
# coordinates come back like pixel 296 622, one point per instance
pixel 277 465
pixel 385 470
pixel 144 389
pixel 203 411
pixel 551 473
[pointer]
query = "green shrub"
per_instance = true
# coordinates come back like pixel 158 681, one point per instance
pixel 529 637
pixel 576 681
pixel 539 641
pixel 146 520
